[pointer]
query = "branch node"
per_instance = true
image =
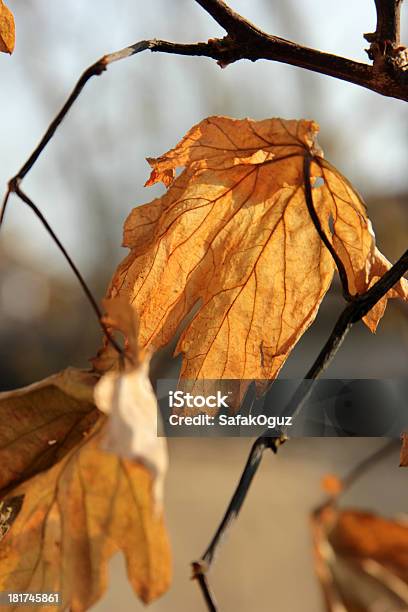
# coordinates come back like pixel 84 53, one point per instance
pixel 275 443
pixel 200 568
pixel 14 184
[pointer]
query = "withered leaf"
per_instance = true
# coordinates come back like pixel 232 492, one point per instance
pixel 40 423
pixel 7 29
pixel 79 507
pixel 361 560
pixel 233 234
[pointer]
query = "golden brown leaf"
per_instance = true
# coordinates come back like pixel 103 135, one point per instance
pixel 7 29
pixel 233 233
pixel 39 424
pixel 361 560
pixel 81 508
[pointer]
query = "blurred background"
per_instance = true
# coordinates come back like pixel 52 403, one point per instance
pixel 92 174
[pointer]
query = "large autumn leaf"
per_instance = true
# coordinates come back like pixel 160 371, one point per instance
pixel 68 506
pixel 7 29
pixel 234 235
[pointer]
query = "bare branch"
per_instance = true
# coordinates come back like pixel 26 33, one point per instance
pixel 205 587
pixel 247 41
pixel 201 567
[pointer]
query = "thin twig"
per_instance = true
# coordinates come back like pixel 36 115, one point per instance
pixel 201 567
pixel 205 587
pixel 233 23
pixel 367 464
pixel 75 270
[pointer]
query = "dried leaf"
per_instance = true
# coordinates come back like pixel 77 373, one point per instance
pixel 39 424
pixel 361 560
pixel 80 505
pixel 7 29
pixel 404 450
pixel 233 234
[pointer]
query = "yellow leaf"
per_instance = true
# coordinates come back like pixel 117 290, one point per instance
pixel 79 507
pixel 234 235
pixel 7 29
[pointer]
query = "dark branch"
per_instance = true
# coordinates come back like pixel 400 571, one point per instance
pixel 205 587
pixel 228 19
pixel 263 46
pixel 367 464
pixel 201 567
pixel 247 41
